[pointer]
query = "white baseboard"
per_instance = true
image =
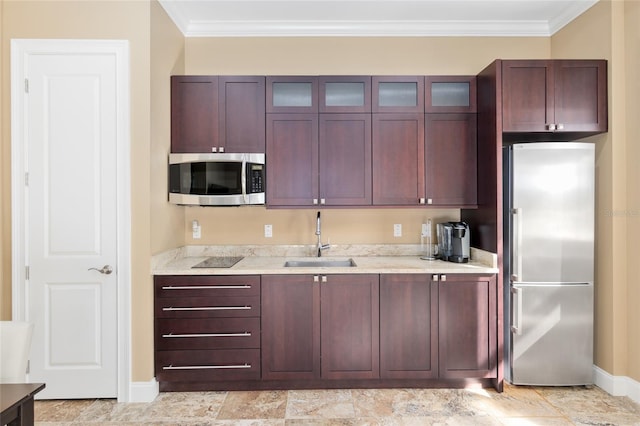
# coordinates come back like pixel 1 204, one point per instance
pixel 616 385
pixel 143 391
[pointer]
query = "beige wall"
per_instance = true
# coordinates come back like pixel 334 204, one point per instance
pixel 335 56
pixel 609 30
pixel 158 50
pixel 128 20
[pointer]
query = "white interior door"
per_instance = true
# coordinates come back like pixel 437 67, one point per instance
pixel 71 221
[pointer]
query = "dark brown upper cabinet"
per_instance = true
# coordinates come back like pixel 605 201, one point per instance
pixel 398 159
pixel 450 94
pixel 217 114
pixel 451 160
pixel 241 108
pixel 293 94
pixel 554 96
pixel 397 94
pixel 194 113
pixel 345 94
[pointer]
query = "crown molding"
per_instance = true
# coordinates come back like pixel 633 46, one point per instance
pixel 365 29
pixel 199 26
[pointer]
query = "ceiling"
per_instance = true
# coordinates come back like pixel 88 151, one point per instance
pixel 296 18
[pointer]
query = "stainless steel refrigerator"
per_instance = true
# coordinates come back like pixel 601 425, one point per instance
pixel 548 262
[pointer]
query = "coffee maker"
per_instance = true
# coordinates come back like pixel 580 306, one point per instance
pixel 453 241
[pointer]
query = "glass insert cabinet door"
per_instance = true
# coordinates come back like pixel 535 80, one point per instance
pixel 294 94
pixel 398 94
pixel 450 94
pixel 344 94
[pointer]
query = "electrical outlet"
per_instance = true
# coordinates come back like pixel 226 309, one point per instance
pixel 268 231
pixel 397 230
pixel 196 230
pixel 425 229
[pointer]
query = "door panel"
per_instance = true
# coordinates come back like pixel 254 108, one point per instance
pixel 553 337
pixel 71 204
pixel 553 212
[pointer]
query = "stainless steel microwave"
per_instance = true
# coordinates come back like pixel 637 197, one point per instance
pixel 216 179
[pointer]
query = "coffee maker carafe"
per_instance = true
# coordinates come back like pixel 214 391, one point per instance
pixel 453 241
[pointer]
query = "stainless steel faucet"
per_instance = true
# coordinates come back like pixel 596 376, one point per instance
pixel 318 233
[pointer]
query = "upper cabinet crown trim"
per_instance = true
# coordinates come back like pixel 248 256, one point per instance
pixel 375 18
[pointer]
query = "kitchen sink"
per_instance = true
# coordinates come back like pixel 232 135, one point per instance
pixel 320 263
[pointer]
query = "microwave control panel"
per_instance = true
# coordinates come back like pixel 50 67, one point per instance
pixel 256 178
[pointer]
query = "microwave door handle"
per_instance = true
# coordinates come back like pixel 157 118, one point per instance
pixel 243 179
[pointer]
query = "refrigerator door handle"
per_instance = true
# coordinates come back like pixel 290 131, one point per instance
pixel 516 327
pixel 517 250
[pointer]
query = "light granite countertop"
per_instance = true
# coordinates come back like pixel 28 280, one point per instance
pixel 370 259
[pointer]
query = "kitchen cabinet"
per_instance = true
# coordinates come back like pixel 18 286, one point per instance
pixel 194 113
pixel 345 159
pixel 468 326
pixel 217 114
pixel 344 94
pixel 319 158
pixel 451 159
pixel 292 94
pixel 320 327
pixel 444 94
pixel 207 329
pixel 408 326
pixel 292 157
pixel 397 94
pixel 398 159
pixel 554 96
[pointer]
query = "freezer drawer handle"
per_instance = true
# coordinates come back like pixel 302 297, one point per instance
pixel 516 328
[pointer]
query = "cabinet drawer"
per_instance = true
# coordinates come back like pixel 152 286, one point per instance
pixel 199 366
pixel 207 307
pixel 222 333
pixel 193 285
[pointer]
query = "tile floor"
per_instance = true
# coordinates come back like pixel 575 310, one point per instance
pixel 516 406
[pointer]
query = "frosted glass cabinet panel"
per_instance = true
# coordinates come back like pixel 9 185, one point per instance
pixel 450 94
pixel 398 94
pixel 345 94
pixel 295 94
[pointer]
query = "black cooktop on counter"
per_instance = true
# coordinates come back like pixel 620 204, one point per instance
pixel 219 262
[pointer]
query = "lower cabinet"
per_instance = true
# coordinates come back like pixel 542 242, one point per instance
pixel 468 326
pixel 207 328
pixel 408 326
pixel 367 330
pixel 320 327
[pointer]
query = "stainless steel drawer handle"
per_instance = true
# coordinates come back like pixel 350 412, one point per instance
pixel 206 367
pixel 245 334
pixel 210 308
pixel 204 287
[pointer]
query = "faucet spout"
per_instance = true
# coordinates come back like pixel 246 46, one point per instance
pixel 320 246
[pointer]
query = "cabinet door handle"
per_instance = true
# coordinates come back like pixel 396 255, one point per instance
pixel 443 277
pixel 429 201
pixel 435 278
pixel 551 126
pixel 208 308
pixel 171 335
pixel 221 149
pixel 206 367
pixel 323 201
pixel 422 200
pixel 315 201
pixel 204 287
pixel 214 149
pixel 560 126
